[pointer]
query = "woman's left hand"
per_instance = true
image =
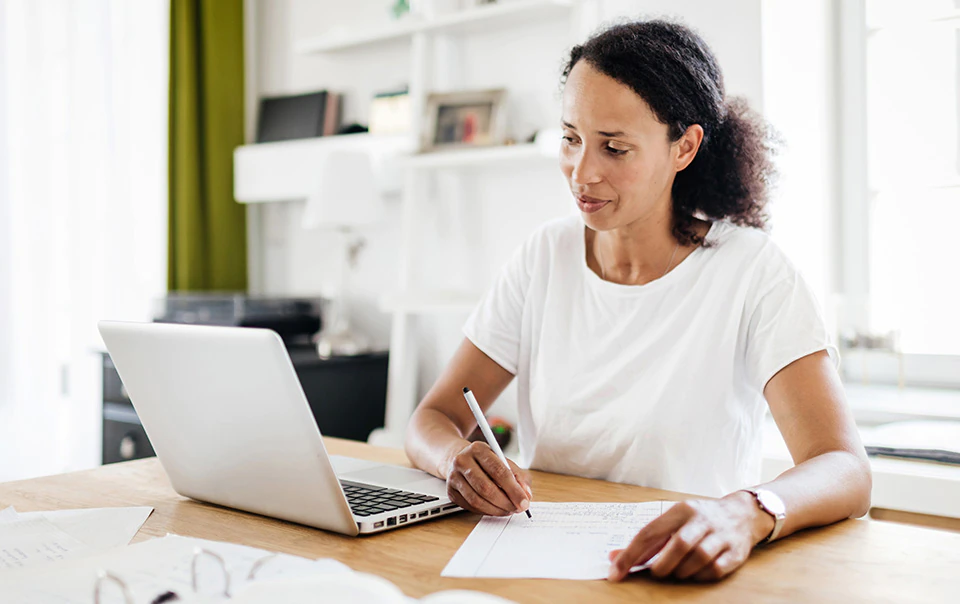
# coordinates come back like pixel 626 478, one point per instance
pixel 700 539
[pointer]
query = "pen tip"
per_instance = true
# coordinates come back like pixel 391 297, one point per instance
pixel 528 515
pixel 465 390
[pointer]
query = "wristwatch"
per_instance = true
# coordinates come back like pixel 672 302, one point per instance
pixel 770 503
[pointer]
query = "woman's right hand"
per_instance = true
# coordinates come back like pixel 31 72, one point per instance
pixel 477 481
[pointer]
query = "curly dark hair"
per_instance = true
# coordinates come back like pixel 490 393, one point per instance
pixel 677 75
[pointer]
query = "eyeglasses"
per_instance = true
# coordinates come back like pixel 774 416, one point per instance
pixel 104 577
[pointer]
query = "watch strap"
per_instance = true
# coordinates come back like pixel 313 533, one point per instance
pixel 778 518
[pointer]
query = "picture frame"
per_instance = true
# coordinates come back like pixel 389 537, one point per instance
pixel 464 119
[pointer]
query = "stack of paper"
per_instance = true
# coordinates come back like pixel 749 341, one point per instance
pixel 158 566
pixel 27 539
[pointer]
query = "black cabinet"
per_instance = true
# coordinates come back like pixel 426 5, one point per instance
pixel 347 395
pixel 123 436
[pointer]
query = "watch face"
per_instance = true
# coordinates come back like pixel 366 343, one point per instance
pixel 771 502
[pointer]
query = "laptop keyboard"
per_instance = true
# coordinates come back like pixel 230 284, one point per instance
pixel 367 500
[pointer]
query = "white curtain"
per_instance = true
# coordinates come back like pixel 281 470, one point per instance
pixel 83 148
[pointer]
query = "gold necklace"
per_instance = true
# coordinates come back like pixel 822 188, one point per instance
pixel 603 273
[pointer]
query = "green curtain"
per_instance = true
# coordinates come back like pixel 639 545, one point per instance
pixel 207 228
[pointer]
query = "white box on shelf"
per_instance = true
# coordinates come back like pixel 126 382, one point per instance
pixel 288 170
pixel 481 156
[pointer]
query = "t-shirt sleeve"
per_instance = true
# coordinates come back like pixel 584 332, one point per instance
pixel 494 326
pixel 786 325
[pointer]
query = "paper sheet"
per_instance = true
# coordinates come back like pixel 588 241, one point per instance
pixel 561 541
pixel 25 542
pixel 349 587
pixel 31 538
pixel 153 567
pixel 158 566
pixel 98 528
pixel 8 514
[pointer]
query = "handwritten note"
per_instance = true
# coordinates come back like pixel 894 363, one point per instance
pixel 27 542
pixel 31 538
pixel 561 541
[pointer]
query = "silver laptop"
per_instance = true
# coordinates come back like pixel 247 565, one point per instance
pixel 224 410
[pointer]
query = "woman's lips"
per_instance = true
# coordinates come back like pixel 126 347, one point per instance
pixel 590 204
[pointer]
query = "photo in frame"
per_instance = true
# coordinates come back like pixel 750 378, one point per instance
pixel 455 120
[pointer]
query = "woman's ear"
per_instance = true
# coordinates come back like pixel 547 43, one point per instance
pixel 687 146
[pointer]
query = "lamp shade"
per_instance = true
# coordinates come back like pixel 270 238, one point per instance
pixel 346 193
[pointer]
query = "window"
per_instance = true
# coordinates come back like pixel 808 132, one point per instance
pixel 83 105
pixel 900 83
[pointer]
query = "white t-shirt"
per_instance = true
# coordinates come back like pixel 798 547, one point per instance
pixel 659 385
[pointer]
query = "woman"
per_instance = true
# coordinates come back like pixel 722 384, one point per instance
pixel 650 334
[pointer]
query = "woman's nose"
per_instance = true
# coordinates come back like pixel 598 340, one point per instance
pixel 585 171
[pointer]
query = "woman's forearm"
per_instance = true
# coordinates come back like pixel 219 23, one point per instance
pixel 824 489
pixel 433 440
pixel 832 481
pixel 438 428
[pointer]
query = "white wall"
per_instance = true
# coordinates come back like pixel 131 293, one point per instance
pixel 730 27
pixel 504 205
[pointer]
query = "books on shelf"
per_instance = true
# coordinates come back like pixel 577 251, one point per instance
pixel 332 114
pixel 299 116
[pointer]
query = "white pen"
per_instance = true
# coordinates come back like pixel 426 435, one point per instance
pixel 487 433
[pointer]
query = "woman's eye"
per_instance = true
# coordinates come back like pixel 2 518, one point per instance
pixel 569 139
pixel 615 151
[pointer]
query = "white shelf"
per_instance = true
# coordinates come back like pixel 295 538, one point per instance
pixel 898 484
pixel 481 156
pixel 505 13
pixel 344 40
pixel 876 404
pixel 429 302
pixel 287 170
pixel 907 486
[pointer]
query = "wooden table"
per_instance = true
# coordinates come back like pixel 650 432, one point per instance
pixel 856 560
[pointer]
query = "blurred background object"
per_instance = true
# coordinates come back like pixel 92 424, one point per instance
pixel 294 319
pixel 502 431
pixel 346 200
pixel 390 112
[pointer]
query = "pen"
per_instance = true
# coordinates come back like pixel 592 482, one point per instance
pixel 485 428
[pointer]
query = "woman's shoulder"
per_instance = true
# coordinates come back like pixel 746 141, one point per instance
pixel 543 246
pixel 749 250
pixel 725 234
pixel 555 235
pixel 557 230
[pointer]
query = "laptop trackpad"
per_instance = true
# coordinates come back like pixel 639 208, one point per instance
pixel 397 477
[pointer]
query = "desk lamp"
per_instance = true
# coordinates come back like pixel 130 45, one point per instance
pixel 346 199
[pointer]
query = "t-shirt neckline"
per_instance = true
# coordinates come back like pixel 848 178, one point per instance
pixel 678 271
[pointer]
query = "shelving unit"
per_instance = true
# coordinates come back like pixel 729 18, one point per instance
pixel 283 170
pixel 506 14
pixel 429 72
